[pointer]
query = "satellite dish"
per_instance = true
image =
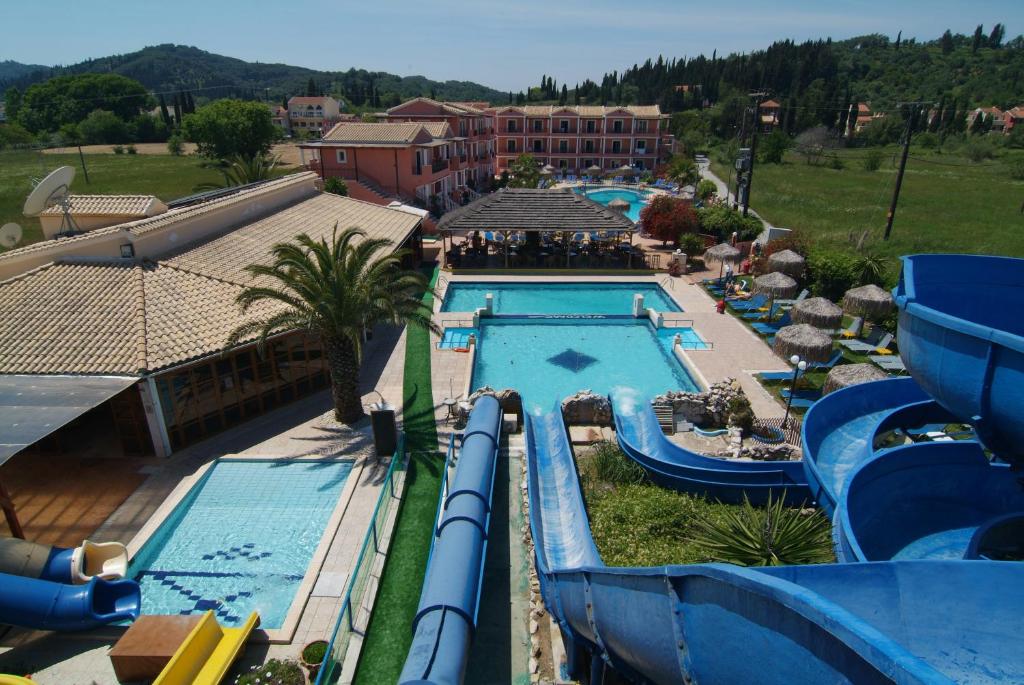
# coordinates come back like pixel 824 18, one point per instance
pixel 54 190
pixel 10 235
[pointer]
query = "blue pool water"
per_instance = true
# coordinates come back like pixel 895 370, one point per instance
pixel 241 540
pixel 549 361
pixel 637 200
pixel 556 298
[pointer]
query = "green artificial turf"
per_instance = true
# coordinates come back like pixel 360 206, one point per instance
pixel 390 631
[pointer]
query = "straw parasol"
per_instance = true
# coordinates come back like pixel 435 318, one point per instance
pixel 624 170
pixel 787 262
pixel 619 205
pixel 851 374
pixel 775 284
pixel 593 170
pixel 810 343
pixel 721 254
pixel 818 312
pixel 868 301
pixel 547 170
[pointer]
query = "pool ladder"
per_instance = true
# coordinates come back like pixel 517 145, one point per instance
pixel 671 283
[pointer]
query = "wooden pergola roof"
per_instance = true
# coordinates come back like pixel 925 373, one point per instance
pixel 527 209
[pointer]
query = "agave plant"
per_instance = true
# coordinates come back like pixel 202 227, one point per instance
pixel 870 268
pixel 773 535
pixel 241 170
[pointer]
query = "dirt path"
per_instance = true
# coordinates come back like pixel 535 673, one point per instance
pixel 289 152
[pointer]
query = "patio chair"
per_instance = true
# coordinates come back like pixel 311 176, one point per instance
pixel 799 298
pixel 893 364
pixel 571 178
pixel 801 394
pixel 617 179
pixel 773 327
pixel 801 402
pixel 758 314
pixel 854 329
pixel 755 302
pixel 779 375
pixel 836 357
pixel 876 337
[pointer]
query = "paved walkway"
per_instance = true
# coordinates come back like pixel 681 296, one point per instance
pixel 704 167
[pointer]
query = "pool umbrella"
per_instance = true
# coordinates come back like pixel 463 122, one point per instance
pixel 787 262
pixel 593 170
pixel 547 170
pixel 721 253
pixel 818 312
pixel 868 301
pixel 775 285
pixel 619 205
pixel 845 375
pixel 624 170
pixel 809 343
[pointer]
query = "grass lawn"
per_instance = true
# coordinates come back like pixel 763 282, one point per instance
pixel 165 176
pixel 390 631
pixel 968 207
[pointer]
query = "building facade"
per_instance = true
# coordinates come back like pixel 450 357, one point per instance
pixel 312 114
pixel 573 138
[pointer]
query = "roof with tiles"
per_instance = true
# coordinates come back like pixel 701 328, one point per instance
pixel 112 205
pixel 527 209
pixel 583 110
pixel 385 133
pixel 131 318
pixel 445 106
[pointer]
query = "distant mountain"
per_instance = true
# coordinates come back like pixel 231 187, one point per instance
pixel 11 70
pixel 169 68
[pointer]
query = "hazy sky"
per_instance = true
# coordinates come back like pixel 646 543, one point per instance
pixel 507 45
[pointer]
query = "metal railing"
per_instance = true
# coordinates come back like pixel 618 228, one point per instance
pixel 439 165
pixel 790 432
pixel 670 321
pixel 352 619
pixel 668 280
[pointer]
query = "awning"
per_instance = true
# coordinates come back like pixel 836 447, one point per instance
pixel 32 407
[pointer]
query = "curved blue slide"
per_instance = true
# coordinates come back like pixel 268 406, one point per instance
pixel 672 466
pixel 35 591
pixel 903 622
pixel 446 619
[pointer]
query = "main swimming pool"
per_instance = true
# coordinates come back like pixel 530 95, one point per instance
pixel 550 360
pixel 637 199
pixel 556 298
pixel 241 540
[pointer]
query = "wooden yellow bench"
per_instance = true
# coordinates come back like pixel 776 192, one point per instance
pixel 206 655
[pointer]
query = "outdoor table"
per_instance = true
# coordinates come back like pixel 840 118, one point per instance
pixel 147 646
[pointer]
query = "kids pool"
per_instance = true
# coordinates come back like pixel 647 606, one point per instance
pixel 556 298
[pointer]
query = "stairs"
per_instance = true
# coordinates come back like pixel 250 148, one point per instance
pixel 665 418
pixel 363 190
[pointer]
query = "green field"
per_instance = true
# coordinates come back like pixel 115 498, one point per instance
pixel 165 176
pixel 947 204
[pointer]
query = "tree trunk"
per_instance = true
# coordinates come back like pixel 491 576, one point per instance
pixel 344 368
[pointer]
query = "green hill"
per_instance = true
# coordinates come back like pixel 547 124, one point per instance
pixel 169 68
pixel 11 70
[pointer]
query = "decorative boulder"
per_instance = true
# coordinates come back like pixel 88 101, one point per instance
pixel 587 408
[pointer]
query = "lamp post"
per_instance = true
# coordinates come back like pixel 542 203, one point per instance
pixel 798 366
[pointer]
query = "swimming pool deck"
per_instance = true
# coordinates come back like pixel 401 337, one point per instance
pixel 301 429
pixel 736 351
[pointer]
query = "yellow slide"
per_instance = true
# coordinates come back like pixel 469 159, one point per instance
pixel 14 680
pixel 206 655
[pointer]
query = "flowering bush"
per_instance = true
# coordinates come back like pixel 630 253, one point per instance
pixel 668 218
pixel 274 672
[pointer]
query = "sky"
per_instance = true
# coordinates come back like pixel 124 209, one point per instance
pixel 506 45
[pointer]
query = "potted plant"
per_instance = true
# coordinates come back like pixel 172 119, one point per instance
pixel 313 657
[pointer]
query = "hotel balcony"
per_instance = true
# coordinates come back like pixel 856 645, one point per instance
pixel 439 165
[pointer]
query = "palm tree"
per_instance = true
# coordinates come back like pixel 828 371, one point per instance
pixel 683 171
pixel 335 291
pixel 240 170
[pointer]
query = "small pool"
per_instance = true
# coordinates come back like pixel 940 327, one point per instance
pixel 548 361
pixel 556 298
pixel 637 199
pixel 240 540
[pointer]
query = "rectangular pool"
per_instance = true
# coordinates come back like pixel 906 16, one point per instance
pixel 556 298
pixel 241 540
pixel 548 361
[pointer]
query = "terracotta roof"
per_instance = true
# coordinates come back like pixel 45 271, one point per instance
pixel 112 205
pixel 583 110
pixel 131 318
pixel 768 104
pixel 438 129
pixel 307 100
pixel 528 209
pixel 450 107
pixel 390 133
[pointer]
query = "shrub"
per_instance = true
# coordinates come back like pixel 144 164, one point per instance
pixel 774 147
pixel 176 145
pixel 870 269
pixel 131 150
pixel 119 149
pixel 927 140
pixel 979 149
pixel 283 671
pixel 741 414
pixel 314 652
pixel 606 463
pixel 13 133
pixel 873 160
pixel 666 218
pixel 336 186
pixel 831 274
pixel 706 189
pixel 1017 169
pixel 691 244
pixel 721 221
pixel 775 535
pixel 102 126
pixel 836 162
pixel 795 241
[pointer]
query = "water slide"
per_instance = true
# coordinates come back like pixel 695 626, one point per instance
pixel 36 589
pixel 672 466
pixel 446 618
pixel 903 622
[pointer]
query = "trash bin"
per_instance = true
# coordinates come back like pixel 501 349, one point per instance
pixel 385 429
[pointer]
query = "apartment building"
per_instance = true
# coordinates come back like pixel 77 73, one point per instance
pixel 574 138
pixel 314 114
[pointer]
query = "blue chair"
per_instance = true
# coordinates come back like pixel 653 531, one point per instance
pixel 773 327
pixel 775 309
pixel 755 302
pixel 836 357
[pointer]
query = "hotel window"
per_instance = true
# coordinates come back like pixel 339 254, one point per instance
pixel 511 125
pixel 538 146
pixel 591 125
pixel 641 126
pixel 511 146
pixel 563 164
pixel 617 126
pixel 563 125
pixel 342 157
pixel 616 146
pixel 641 146
pixel 588 145
pixel 538 126
pixel 588 163
pixel 563 146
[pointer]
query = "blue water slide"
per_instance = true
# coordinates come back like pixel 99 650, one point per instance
pixel 672 466
pixel 961 336
pixel 34 560
pixel 446 618
pixel 48 605
pixel 891 622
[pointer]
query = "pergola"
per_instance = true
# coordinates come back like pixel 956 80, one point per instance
pixel 532 210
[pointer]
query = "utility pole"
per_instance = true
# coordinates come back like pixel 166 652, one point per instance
pixel 912 114
pixel 758 99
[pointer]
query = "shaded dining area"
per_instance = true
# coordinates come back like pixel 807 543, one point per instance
pixel 540 229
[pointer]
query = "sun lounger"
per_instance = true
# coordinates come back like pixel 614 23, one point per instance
pixel 778 375
pixel 799 298
pixel 801 394
pixel 759 314
pixel 836 357
pixel 800 402
pixel 892 364
pixel 867 345
pixel 772 327
pixel 854 329
pixel 755 302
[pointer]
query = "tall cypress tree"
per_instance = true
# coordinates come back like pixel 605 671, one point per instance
pixel 978 40
pixel 164 114
pixel 177 109
pixel 191 104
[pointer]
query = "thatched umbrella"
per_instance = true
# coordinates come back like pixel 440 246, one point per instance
pixel 547 170
pixel 624 170
pixel 593 170
pixel 809 343
pixel 619 205
pixel 722 253
pixel 818 312
pixel 868 301
pixel 787 262
pixel 846 375
pixel 775 285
